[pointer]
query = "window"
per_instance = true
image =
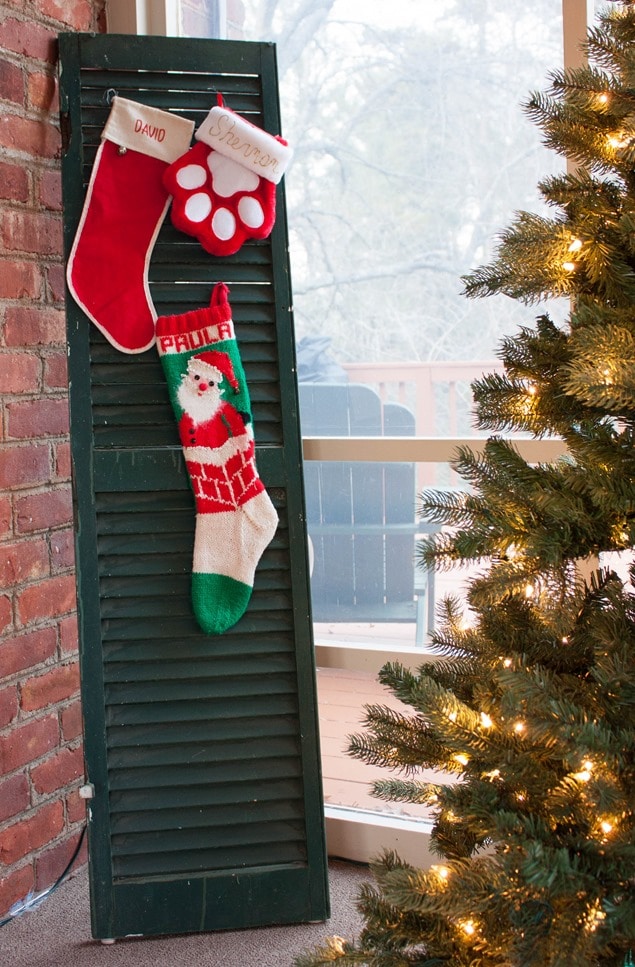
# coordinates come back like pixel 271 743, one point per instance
pixel 411 153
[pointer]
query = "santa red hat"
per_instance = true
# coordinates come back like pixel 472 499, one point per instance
pixel 219 362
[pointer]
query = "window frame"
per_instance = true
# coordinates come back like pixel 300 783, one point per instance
pixel 351 834
pixel 154 17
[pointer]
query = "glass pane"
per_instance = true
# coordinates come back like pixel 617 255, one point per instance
pixel 372 604
pixel 200 18
pixel 367 587
pixel 412 153
pixel 342 696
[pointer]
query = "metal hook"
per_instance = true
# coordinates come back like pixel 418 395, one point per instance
pixel 108 96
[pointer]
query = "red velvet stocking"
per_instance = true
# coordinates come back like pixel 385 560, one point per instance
pixel 125 205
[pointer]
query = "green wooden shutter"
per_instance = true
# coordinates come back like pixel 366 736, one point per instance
pixel 203 751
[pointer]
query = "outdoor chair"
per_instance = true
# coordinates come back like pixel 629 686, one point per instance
pixel 361 516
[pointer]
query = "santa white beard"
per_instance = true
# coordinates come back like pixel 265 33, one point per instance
pixel 200 407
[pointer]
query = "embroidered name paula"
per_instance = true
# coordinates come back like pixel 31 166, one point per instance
pixel 184 341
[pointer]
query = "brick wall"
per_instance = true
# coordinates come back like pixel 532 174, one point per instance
pixel 41 815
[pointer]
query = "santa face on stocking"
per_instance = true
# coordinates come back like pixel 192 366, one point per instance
pixel 200 391
pixel 211 428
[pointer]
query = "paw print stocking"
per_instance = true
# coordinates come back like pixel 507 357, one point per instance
pixel 125 205
pixel 224 187
pixel 235 518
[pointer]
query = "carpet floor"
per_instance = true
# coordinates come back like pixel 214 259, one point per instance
pixel 57 934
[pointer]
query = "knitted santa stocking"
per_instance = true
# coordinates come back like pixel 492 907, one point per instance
pixel 125 205
pixel 235 519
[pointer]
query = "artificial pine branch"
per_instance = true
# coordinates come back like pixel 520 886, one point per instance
pixel 530 704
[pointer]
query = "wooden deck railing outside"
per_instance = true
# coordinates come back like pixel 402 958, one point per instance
pixel 438 393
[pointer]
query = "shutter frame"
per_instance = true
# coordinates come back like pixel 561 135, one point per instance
pixel 126 457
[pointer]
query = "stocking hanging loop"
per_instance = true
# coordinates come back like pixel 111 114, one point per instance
pixel 220 295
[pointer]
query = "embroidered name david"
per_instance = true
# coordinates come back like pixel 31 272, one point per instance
pixel 150 130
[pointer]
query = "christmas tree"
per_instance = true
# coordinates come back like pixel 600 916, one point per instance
pixel 530 703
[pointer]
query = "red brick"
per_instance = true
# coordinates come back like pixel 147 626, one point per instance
pixel 11 82
pixel 51 508
pixel 6 516
pixel 37 138
pixel 51 190
pixel 51 863
pixel 56 371
pixel 42 92
pixel 6 613
pixel 46 599
pixel 59 770
pixel 62 549
pixel 31 326
pixel 56 423
pixel 62 461
pixel 29 834
pixel 21 5
pixel 77 14
pixel 71 720
pixel 32 232
pixel 37 418
pixel 8 705
pixel 24 466
pixel 19 280
pixel 21 652
pixel 55 282
pixel 28 742
pixel 21 561
pixel 15 887
pixel 53 686
pixel 69 635
pixel 26 37
pixel 19 373
pixel 75 807
pixel 14 182
pixel 15 796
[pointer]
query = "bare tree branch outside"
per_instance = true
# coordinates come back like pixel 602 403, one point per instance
pixel 411 150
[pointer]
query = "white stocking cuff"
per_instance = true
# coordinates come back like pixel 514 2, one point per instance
pixel 148 130
pixel 247 145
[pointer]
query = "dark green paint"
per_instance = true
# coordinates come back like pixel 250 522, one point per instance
pixel 203 751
